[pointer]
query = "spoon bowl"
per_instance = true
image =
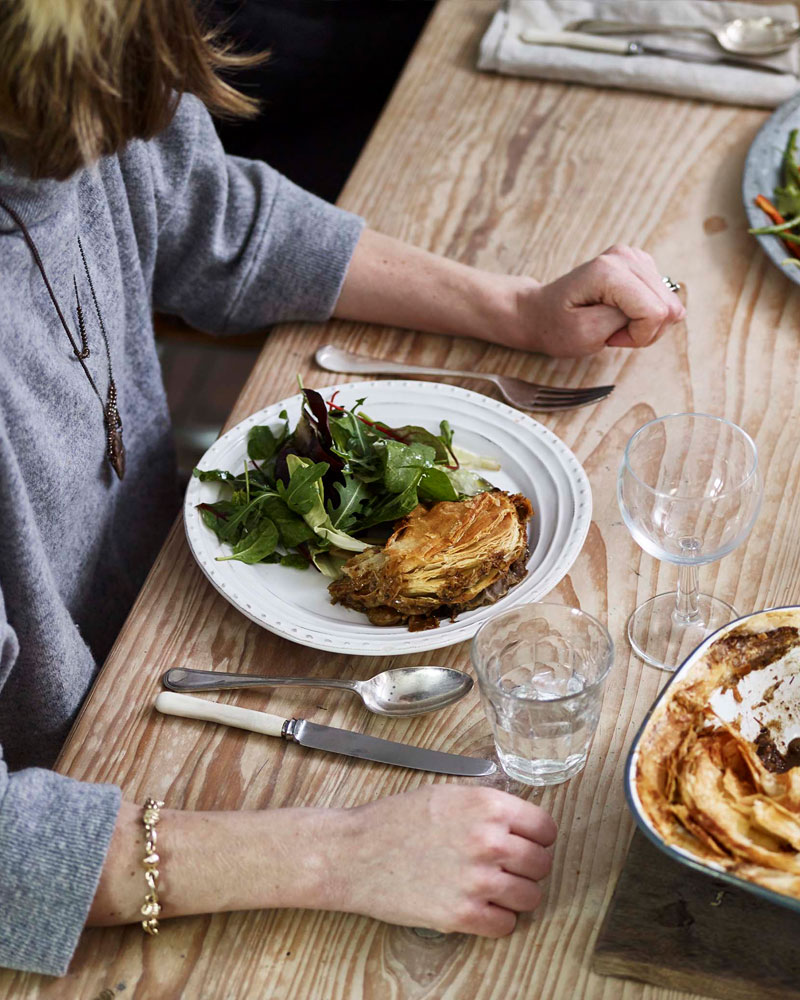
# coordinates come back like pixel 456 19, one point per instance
pixel 399 692
pixel 413 690
pixel 757 36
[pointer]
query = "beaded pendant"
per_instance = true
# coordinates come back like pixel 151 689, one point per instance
pixel 115 449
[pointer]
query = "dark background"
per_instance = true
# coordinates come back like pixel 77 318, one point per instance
pixel 331 68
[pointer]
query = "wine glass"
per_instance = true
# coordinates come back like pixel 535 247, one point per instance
pixel 689 491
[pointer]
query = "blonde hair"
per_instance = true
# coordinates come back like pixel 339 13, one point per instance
pixel 80 78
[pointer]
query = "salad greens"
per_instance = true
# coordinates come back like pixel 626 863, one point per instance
pixel 785 211
pixel 306 496
pixel 787 195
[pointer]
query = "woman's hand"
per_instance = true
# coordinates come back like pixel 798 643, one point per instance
pixel 447 857
pixel 616 300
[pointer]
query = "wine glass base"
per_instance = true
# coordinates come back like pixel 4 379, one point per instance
pixel 662 640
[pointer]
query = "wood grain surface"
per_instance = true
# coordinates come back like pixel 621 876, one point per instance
pixel 683 929
pixel 516 176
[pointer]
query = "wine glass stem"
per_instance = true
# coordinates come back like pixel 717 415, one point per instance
pixel 686 610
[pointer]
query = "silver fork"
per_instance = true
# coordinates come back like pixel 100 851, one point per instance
pixel 518 392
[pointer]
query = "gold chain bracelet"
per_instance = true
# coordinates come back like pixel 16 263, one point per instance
pixel 151 907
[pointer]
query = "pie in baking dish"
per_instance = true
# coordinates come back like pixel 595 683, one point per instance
pixel 718 770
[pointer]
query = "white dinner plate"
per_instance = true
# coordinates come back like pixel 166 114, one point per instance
pixel 295 603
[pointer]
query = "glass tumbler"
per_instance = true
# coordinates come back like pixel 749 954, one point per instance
pixel 541 669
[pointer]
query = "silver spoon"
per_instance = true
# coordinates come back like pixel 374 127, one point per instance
pixel 745 36
pixel 403 691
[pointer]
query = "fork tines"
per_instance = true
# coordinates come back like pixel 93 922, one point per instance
pixel 555 398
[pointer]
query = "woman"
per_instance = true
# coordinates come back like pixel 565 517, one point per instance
pixel 117 197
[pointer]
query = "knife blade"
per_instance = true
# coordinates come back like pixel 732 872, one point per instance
pixel 314 736
pixel 621 47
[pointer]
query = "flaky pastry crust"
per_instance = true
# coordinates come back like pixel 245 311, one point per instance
pixel 440 561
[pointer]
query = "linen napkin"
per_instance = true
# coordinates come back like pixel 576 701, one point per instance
pixel 502 50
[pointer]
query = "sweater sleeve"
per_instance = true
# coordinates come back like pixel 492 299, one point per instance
pixel 239 246
pixel 54 836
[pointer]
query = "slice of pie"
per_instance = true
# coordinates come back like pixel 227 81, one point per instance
pixel 451 557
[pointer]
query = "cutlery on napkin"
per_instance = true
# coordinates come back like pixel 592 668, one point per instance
pixel 620 47
pixel 503 51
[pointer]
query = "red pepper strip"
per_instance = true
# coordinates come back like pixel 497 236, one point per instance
pixel 766 206
pixel 381 427
pixel 385 430
pixel 210 509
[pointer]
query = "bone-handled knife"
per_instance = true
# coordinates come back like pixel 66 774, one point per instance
pixel 309 734
pixel 621 47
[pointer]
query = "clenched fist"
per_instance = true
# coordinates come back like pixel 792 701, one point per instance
pixel 446 857
pixel 616 300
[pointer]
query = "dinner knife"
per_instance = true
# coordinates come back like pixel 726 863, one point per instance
pixel 621 47
pixel 309 734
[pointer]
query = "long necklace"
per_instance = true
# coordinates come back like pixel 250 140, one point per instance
pixel 115 449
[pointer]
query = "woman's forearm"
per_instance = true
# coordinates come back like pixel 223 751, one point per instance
pixel 396 284
pixel 217 861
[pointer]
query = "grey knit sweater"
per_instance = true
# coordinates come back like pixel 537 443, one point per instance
pixel 175 225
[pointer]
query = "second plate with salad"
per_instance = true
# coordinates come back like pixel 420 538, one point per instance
pixel 765 175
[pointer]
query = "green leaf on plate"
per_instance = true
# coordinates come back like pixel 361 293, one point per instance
pixel 310 502
pixel 412 434
pixel 394 507
pixel 262 443
pixel 403 463
pixel 467 483
pixel 304 488
pixel 255 545
pixel 435 485
pixel 294 560
pixel 352 495
pixel 214 475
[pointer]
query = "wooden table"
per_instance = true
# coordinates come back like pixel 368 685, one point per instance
pixel 517 176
